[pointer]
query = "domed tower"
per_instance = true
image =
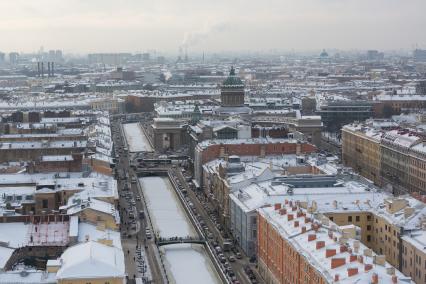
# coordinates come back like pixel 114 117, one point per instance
pixel 232 91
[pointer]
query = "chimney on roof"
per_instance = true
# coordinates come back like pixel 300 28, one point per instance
pixel 379 260
pixel 320 244
pixel 283 211
pixel 277 206
pixel 360 259
pixel 390 270
pixel 296 224
pixel 352 271
pixel 315 226
pixel 343 248
pixel 312 237
pixel 330 252
pixel 375 278
pixel 368 267
pixel 368 252
pixel 290 217
pixel 394 279
pixel 353 257
pixel 337 262
pixel 356 246
pixel 303 229
pixel 336 278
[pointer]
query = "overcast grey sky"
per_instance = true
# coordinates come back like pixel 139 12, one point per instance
pixel 212 25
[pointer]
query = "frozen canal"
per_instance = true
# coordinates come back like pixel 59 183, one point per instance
pixel 187 263
pixel 136 138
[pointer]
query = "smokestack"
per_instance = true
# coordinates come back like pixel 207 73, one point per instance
pixel 38 69
pixel 53 69
pixel 48 69
pixel 42 70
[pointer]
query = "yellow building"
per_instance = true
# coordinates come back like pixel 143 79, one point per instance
pixel 113 105
pixel 96 212
pixel 381 230
pixel 414 255
pixel 361 151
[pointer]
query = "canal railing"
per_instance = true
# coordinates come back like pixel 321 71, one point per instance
pixel 178 240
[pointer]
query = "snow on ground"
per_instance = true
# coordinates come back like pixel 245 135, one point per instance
pixel 5 254
pixel 14 234
pixel 165 209
pixel 188 264
pixel 136 139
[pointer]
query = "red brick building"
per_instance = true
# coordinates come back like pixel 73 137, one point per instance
pixel 212 149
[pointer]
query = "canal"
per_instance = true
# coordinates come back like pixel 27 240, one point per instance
pixel 186 263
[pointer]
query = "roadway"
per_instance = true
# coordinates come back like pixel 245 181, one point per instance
pixel 133 232
pixel 133 229
pixel 239 264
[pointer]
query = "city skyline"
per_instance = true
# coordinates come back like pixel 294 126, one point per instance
pixel 100 26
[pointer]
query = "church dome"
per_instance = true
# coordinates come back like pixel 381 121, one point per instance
pixel 233 81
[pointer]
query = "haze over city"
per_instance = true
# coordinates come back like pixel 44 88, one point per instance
pixel 212 142
pixel 81 26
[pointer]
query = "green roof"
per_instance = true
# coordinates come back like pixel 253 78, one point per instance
pixel 232 80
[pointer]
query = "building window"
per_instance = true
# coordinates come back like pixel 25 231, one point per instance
pixel 357 218
pixel 45 203
pixel 368 238
pixel 331 219
pixel 349 218
pixel 368 228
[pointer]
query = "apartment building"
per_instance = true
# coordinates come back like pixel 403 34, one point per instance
pixel 296 246
pixel 393 158
pixel 361 151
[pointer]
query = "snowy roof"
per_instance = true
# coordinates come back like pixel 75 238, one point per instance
pixel 91 260
pixel 41 145
pixel 5 254
pixel 316 256
pixel 207 143
pixel 90 232
pixel 28 277
pixel 56 158
pixel 76 205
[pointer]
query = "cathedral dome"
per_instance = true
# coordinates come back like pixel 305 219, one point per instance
pixel 233 81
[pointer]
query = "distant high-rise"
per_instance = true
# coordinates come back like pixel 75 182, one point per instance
pixel 13 58
pixel 58 55
pixel 51 55
pixel 374 55
pixel 2 57
pixel 419 55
